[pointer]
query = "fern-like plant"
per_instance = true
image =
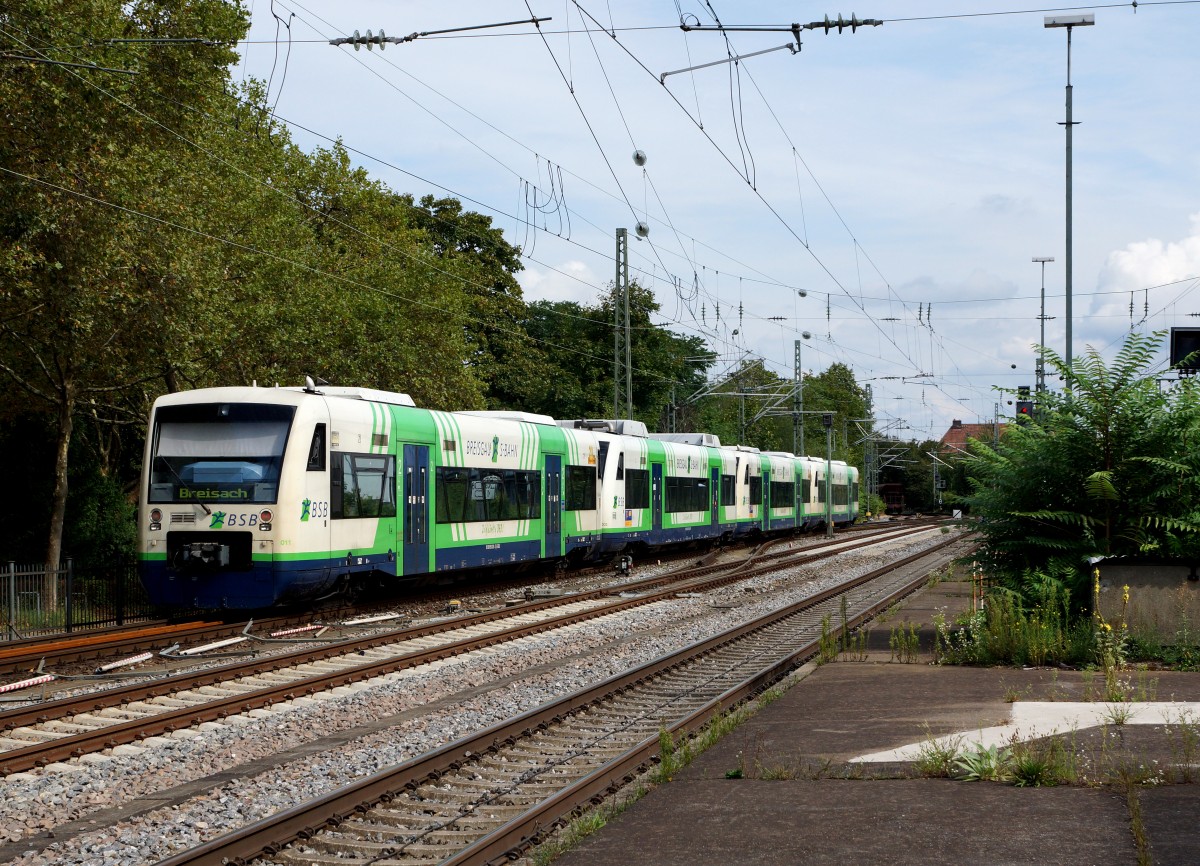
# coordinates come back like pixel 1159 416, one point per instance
pixel 1110 467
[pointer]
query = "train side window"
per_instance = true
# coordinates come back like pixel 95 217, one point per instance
pixel 580 488
pixel 474 495
pixel 316 450
pixel 620 465
pixel 686 494
pixel 728 490
pixel 637 488
pixel 603 457
pixel 756 489
pixel 362 485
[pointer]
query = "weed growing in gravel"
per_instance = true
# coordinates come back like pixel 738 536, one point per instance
pixel 585 825
pixel 1040 763
pixel 1147 686
pixel 1012 694
pixel 1089 688
pixel 904 643
pixel 983 764
pixel 827 647
pixel 1119 713
pixel 769 696
pixel 1006 632
pixel 1183 736
pixel 667 760
pixel 856 650
pixel 775 772
pixel 935 759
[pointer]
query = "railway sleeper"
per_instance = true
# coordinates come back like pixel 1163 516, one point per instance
pixel 34 735
pixel 69 727
pixel 295 858
pixel 391 835
pixel 397 823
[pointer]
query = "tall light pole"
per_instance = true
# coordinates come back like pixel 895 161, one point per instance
pixel 827 420
pixel 1041 369
pixel 621 298
pixel 798 414
pixel 1070 22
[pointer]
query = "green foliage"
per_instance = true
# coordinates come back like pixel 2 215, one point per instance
pixel 936 758
pixel 1006 631
pixel 1040 764
pixel 161 231
pixel 571 373
pixel 828 646
pixel 904 643
pixel 1110 469
pixel 983 764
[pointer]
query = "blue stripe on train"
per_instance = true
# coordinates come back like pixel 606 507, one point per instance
pixel 486 555
pixel 263 585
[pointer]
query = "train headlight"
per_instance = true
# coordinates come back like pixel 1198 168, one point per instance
pixel 264 519
pixel 155 519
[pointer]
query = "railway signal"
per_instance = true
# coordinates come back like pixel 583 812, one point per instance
pixel 1024 404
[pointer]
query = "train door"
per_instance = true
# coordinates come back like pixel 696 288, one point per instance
pixel 768 476
pixel 416 509
pixel 714 486
pixel 656 496
pixel 553 506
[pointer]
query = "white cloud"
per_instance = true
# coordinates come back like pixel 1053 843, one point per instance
pixel 569 281
pixel 1153 262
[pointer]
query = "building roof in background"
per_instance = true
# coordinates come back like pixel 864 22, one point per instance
pixel 955 439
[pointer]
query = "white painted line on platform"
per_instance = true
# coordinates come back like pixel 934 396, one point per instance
pixel 1030 720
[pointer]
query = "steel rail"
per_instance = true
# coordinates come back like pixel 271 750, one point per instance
pixel 120 733
pixel 270 835
pixel 505 843
pixel 45 711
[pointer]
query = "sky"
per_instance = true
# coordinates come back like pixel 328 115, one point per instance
pixel 883 190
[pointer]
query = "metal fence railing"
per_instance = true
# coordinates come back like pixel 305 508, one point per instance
pixel 38 601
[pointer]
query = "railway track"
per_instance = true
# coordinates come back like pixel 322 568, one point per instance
pixel 488 797
pixel 105 645
pixel 56 731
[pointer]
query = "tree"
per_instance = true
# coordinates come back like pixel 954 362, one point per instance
pixel 1109 469
pixel 575 343
pixel 79 148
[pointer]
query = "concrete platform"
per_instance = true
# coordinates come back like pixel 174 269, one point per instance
pixel 801 800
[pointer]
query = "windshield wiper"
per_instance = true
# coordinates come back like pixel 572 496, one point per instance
pixel 182 483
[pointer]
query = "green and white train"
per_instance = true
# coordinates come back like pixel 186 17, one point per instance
pixel 253 497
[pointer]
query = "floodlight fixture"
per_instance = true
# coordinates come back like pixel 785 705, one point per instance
pixel 1070 20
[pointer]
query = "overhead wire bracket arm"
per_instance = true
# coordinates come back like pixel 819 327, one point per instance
pixel 840 23
pixel 380 39
pixel 791 46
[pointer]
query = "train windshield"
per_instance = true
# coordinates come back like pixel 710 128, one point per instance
pixel 222 453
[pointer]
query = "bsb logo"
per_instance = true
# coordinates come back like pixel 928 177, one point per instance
pixel 223 520
pixel 304 509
